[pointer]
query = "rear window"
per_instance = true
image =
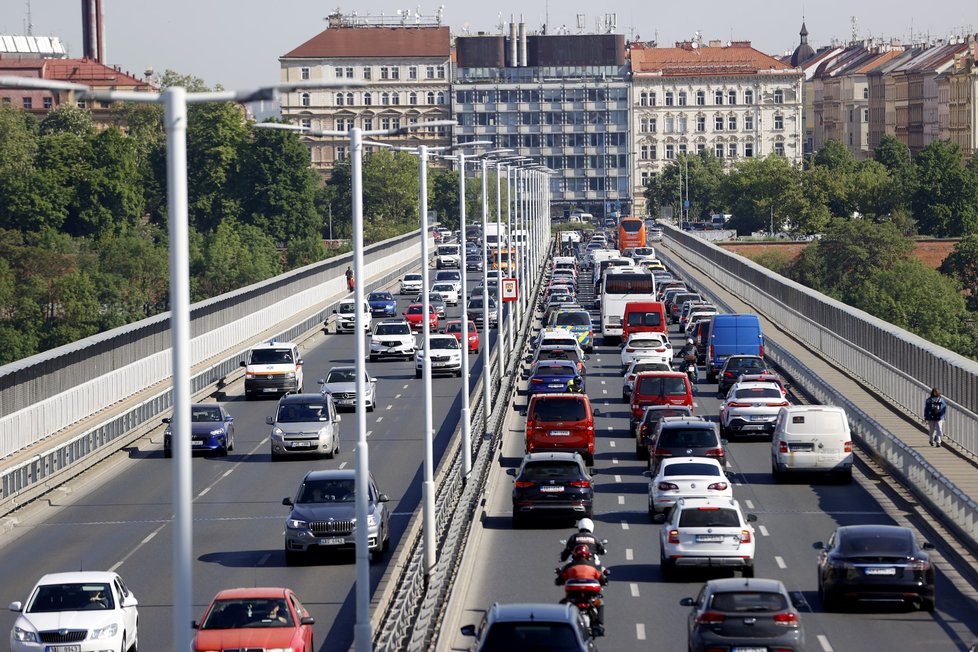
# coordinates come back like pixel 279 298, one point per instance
pixel 881 543
pixel 573 319
pixel 531 635
pixel 688 438
pixel 549 470
pixel 654 416
pixel 563 409
pixel 710 517
pixel 749 602
pixel 691 468
pixel 746 363
pixel 644 319
pixel 556 370
pixel 758 392
pixel 651 366
pixel 657 386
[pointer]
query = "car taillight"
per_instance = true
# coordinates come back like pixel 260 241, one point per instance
pixel 523 484
pixel 712 352
pixel 630 350
pixel 667 486
pixel 745 536
pixel 783 447
pixel 781 404
pixel 536 380
pixel 918 565
pixel 847 447
pixel 673 536
pixel 762 350
pixel 714 452
pixel 710 618
pixel 661 349
pixel 728 374
pixel 582 484
pixel 786 619
pixel 718 486
pixel 738 404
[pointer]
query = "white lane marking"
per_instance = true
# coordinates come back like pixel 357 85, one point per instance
pixel 614 460
pixel 611 443
pixel 149 537
pixel 228 472
pixel 633 587
pixel 603 382
pixel 390 406
pixel 343 465
pixel 611 427
pixel 405 387
pixel 397 396
pixel 780 562
pixel 624 525
pixel 629 554
pixel 617 478
pixel 370 432
pixel 764 532
pixel 824 642
pixel 640 631
pixel 621 500
pixel 749 504
pixel 604 391
pixel 695 404
pixel 264 558
pixel 203 491
pixel 379 419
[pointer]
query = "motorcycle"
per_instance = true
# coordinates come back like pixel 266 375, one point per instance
pixel 594 555
pixel 688 366
pixel 587 597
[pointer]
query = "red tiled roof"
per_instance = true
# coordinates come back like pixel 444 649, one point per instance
pixel 877 61
pixel 81 71
pixel 376 42
pixel 737 59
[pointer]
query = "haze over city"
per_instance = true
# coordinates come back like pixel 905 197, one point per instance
pixel 237 43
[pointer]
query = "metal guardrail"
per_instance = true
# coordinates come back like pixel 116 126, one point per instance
pixel 904 463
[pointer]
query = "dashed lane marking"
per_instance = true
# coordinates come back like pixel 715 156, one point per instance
pixel 640 631
pixel 203 491
pixel 629 554
pixel 149 537
pixel 633 587
pixel 611 443
pixel 603 382
pixel 611 427
pixel 379 419
pixel 617 478
pixel 343 465
pixel 604 391
pixel 614 460
pixel 397 396
pixel 264 558
pixel 621 500
pixel 749 504
pixel 764 532
pixel 227 473
pixel 624 525
pixel 390 406
pixel 370 432
pixel 780 562
pixel 824 642
pixel 405 387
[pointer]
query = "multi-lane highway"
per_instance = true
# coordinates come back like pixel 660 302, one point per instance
pixel 117 516
pixel 643 611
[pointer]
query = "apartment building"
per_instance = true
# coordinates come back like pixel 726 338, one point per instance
pixel 958 95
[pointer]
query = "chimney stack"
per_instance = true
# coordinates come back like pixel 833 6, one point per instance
pixel 522 34
pixel 92 37
pixel 513 45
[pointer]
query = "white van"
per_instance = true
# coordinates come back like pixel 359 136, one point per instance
pixel 812 438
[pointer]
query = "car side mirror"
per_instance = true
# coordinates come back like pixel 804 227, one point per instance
pixel 511 472
pixel 688 602
pixel 334 312
pixel 647 474
pixel 337 418
pixel 819 545
pixel 166 420
pixel 927 545
pixel 596 412
pixel 799 601
pixel 194 624
pixel 15 606
pixel 371 380
pixel 229 419
pixel 307 620
pixel 270 420
pixel 468 630
pixel 383 498
pixel 321 381
pixel 243 364
pixel 299 362
pixel 751 518
pixel 287 501
pixel 130 601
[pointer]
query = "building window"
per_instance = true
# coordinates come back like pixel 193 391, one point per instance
pixel 748 150
pixel 82 104
pixel 851 115
pixel 749 122
pixel 441 72
pixel 395 98
pixel 48 102
pixel 395 122
pixel 385 98
pixel 718 97
pixel 748 96
pixel 385 123
pixel 430 97
pixel 412 98
pixel 865 115
pixel 866 93
pixel 338 72
pixel 700 98
pixel 340 99
pixel 28 103
pixel 341 153
pixel 644 152
pixel 850 139
pixel 732 123
pixel 683 149
pixel 779 149
pixel 412 72
pixel 682 124
pixel 669 124
pixel 718 123
pixel 643 99
pixel 718 150
pixel 778 122
pixel 701 123
pixel 669 98
pixel 368 99
pixel 349 72
pixel 304 99
pixel 429 72
pixel 645 178
pixel 731 150
pixel 368 124
pixel 385 72
pixel 395 72
pixel 367 72
pixel 779 96
pixel 349 99
pixel 682 98
pixel 441 97
pixel 304 73
pixel 305 123
pixel 700 148
pixel 731 97
pixel 670 151
pixel 652 100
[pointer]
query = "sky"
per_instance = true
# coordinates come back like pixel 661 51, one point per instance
pixel 237 43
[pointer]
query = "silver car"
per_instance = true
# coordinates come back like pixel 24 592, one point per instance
pixel 341 384
pixel 323 515
pixel 304 424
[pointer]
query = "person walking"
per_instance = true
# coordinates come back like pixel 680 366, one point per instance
pixel 349 278
pixel 935 407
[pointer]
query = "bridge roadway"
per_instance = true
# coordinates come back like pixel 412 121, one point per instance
pixel 117 515
pixel 643 611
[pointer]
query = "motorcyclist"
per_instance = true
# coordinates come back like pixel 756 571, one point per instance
pixel 583 536
pixel 582 568
pixel 688 353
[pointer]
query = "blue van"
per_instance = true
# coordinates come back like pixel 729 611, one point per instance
pixel 732 335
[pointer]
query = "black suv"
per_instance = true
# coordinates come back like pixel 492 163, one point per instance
pixel 685 436
pixel 551 484
pixel 736 366
pixel 646 427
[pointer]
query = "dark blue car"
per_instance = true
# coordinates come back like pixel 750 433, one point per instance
pixel 554 376
pixel 382 304
pixel 211 430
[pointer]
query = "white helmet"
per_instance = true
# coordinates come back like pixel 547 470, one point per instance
pixel 689 341
pixel 585 525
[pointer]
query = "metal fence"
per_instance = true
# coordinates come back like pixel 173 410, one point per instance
pixel 897 364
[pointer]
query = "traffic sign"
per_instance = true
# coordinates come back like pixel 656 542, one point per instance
pixel 509 289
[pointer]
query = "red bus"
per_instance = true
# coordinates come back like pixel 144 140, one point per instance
pixel 631 233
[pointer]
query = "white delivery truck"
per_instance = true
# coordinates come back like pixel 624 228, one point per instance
pixel 496 235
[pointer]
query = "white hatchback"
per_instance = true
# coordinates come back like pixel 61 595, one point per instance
pixel 446 356
pixel 751 408
pixel 448 291
pixel 411 283
pixel 706 533
pixel 646 346
pixel 686 477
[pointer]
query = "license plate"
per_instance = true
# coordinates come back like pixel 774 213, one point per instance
pixel 748 649
pixel 300 444
pixel 560 433
pixel 269 389
pixel 551 490
pixel 881 571
pixel 334 541
pixel 756 426
pixel 62 648
pixel 709 538
pixel 807 448
pixel 758 417
pixel 556 385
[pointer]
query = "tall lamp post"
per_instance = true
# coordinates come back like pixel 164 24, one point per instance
pixel 362 630
pixel 175 100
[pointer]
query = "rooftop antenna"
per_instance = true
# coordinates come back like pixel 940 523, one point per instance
pixel 500 25
pixel 581 24
pixel 30 23
pixel 855 29
pixel 440 14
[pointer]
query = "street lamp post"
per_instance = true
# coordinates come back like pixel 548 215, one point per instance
pixel 486 372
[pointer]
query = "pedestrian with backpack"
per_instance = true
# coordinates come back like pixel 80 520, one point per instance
pixel 935 407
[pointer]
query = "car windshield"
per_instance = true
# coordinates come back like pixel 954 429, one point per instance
pixel 690 468
pixel 447 251
pixel 555 370
pixel 639 367
pixel 412 277
pixel 346 308
pixel 559 410
pixel 328 491
pixel 897 544
pixel 656 386
pixel 443 287
pixel 758 392
pixel 248 613
pixel 748 602
pixel 380 296
pixel 745 363
pixel 654 416
pixel 341 376
pixel 531 635
pixel 303 412
pixel 85 596
pixel 271 356
pixel 573 319
pixel 709 517
pixel 688 437
pixel 443 343
pixel 205 414
pixel 393 329
pixel 549 470
pixel 644 319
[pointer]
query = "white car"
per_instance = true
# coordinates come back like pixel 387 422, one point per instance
pixel 634 369
pixel 88 611
pixel 706 533
pixel 392 338
pixel 411 283
pixel 341 384
pixel 751 408
pixel 446 356
pixel 346 316
pixel 686 477
pixel 448 291
pixel 646 346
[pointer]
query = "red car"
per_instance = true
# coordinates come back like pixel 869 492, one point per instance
pixel 414 314
pixel 454 327
pixel 255 619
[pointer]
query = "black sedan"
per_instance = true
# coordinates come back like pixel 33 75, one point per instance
pixel 875 562
pixel 211 430
pixel 551 484
pixel 736 366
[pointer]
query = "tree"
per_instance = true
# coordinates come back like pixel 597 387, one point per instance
pixel 761 191
pixel 962 265
pixel 18 139
pixel 444 197
pixel 217 137
pixel 836 157
pixel 231 257
pixel 69 119
pixel 133 275
pixel 109 198
pixel 944 202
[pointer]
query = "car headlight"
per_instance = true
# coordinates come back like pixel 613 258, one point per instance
pixel 105 632
pixel 217 431
pixel 168 432
pixel 279 649
pixel 277 432
pixel 291 374
pixel 24 635
pixel 296 524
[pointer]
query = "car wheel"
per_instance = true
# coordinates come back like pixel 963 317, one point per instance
pixel 292 558
pixel 223 450
pixel 125 646
pixel 167 453
pixel 370 408
pixel 748 571
pixel 830 601
pixel 373 358
pixel 231 443
pixel 624 397
pixel 667 567
pixel 928 604
pixel 332 452
pixel 417 373
pixel 776 473
pixel 276 457
pixel 589 459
